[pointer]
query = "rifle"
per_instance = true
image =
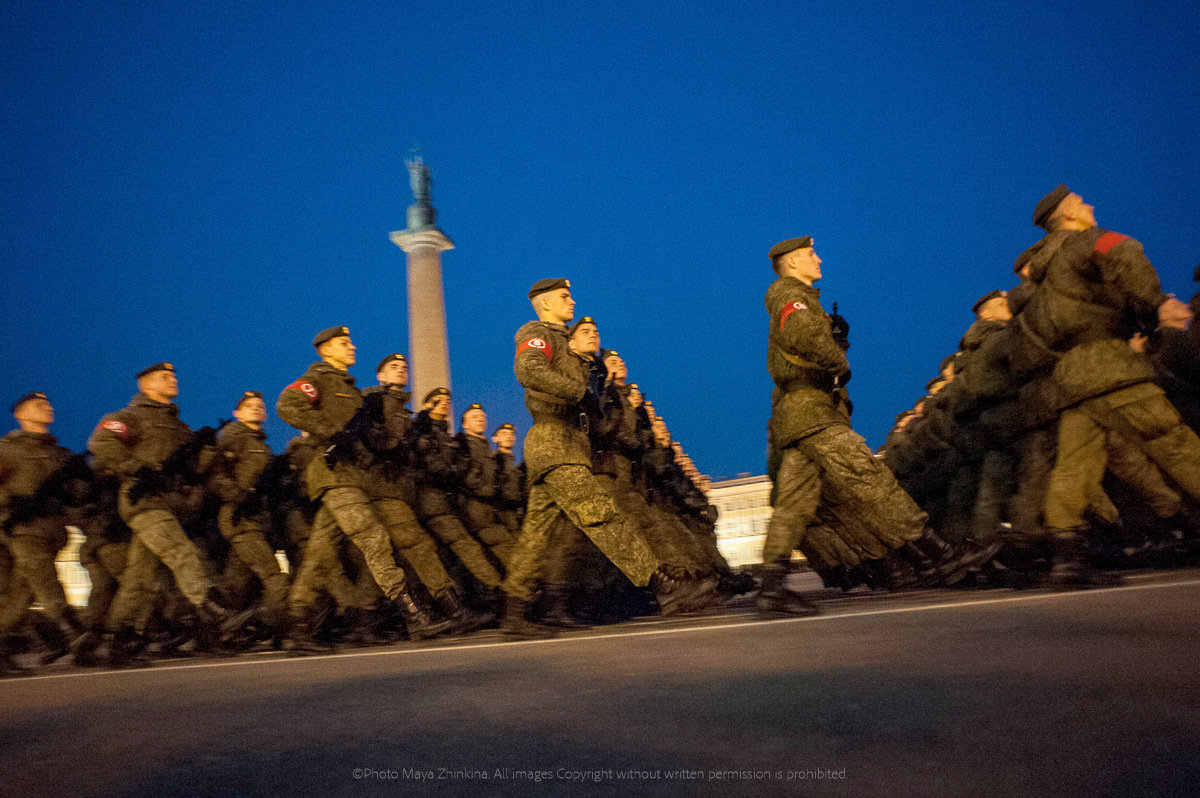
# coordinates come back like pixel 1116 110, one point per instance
pixel 52 493
pixel 179 467
pixel 266 486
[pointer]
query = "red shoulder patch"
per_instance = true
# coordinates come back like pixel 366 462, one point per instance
pixel 789 309
pixel 1106 242
pixel 538 344
pixel 116 427
pixel 306 388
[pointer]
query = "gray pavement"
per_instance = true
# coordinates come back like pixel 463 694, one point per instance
pixel 920 694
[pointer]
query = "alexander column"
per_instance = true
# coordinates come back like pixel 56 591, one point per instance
pixel 424 243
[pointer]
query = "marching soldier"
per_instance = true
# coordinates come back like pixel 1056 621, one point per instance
pixel 322 403
pixel 35 490
pixel 480 485
pixel 243 519
pixel 819 454
pixel 558 457
pixel 161 463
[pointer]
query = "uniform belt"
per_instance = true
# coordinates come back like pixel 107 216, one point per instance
pixel 810 378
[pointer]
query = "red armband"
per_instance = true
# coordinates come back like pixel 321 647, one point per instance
pixel 1106 242
pixel 539 344
pixel 116 427
pixel 789 309
pixel 306 388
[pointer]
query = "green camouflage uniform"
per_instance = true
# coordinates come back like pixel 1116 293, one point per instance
pixel 26 460
pixel 390 484
pixel 1094 282
pixel 143 435
pixel 437 489
pixel 558 459
pixel 480 511
pixel 321 403
pixel 244 455
pixel 810 427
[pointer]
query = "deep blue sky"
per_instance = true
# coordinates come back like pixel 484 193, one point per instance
pixel 212 183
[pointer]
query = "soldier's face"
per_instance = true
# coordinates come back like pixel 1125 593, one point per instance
pixel 504 440
pixel 161 386
pixel 586 340
pixel 559 305
pixel 394 373
pixel 995 309
pixel 338 352
pixel 439 407
pixel 803 264
pixel 616 365
pixel 1073 207
pixel 475 422
pixel 35 411
pixel 251 411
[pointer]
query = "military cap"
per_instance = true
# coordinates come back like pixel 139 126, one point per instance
pixel 389 359
pixel 1046 207
pixel 330 334
pixel 29 397
pixel 581 322
pixel 549 284
pixel 248 395
pixel 505 426
pixel 435 392
pixel 607 353
pixel 988 297
pixel 164 366
pixel 784 247
pixel 470 407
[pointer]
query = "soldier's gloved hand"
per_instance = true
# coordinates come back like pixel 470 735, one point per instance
pixel 148 481
pixel 339 449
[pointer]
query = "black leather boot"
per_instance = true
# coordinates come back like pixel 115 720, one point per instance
pixel 682 595
pixel 557 613
pixel 301 637
pixel 1071 569
pixel 776 601
pixel 463 618
pixel 418 623
pixel 127 649
pixel 516 626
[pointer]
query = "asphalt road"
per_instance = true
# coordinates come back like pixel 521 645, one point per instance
pixel 923 694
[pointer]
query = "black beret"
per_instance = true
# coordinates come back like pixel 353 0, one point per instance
pixel 330 334
pixel 29 397
pixel 505 426
pixel 581 322
pixel 784 247
pixel 549 284
pixel 435 392
pixel 470 407
pixel 389 359
pixel 989 296
pixel 248 395
pixel 1048 203
pixel 164 366
pixel 607 353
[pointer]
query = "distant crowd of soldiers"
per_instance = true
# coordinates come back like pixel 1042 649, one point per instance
pixel 391 527
pixel 1065 423
pixel 1061 437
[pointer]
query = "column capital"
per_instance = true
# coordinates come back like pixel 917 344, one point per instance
pixel 421 239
